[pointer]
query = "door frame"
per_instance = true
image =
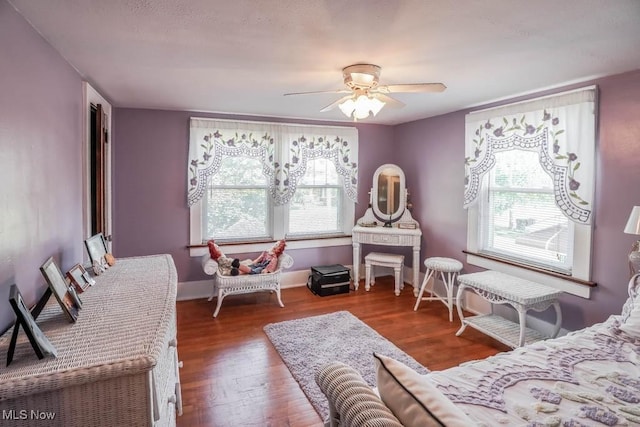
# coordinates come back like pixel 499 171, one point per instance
pixel 92 97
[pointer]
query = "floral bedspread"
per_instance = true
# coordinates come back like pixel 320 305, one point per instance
pixel 587 378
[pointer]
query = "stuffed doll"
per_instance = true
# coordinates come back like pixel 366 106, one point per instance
pixel 267 262
pixel 227 266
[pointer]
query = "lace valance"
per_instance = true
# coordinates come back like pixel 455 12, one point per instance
pixel 561 128
pixel 283 151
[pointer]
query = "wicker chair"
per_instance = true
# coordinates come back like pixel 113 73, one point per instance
pixel 246 283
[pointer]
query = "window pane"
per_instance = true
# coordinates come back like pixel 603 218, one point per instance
pixel 320 172
pixel 528 226
pixel 236 213
pixel 519 169
pixel 520 219
pixel 315 211
pixel 237 171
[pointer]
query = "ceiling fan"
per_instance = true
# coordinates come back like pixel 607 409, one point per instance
pixel 365 95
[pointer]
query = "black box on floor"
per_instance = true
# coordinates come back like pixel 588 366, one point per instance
pixel 329 280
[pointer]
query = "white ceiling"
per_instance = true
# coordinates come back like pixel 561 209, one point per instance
pixel 241 56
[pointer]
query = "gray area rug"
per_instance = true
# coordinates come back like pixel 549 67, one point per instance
pixel 307 344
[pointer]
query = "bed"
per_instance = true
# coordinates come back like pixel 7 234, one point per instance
pixel 589 377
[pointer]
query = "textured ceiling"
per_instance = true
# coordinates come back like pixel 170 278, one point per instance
pixel 241 56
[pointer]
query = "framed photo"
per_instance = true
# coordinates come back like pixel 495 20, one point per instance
pixel 96 248
pixel 41 345
pixel 407 225
pixel 78 276
pixel 88 278
pixel 74 297
pixel 60 288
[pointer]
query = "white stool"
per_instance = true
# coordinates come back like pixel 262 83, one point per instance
pixel 440 265
pixel 384 260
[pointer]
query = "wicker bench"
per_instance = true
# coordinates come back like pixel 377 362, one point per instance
pixel 523 295
pixel 246 283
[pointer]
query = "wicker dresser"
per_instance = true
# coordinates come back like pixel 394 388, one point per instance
pixel 116 366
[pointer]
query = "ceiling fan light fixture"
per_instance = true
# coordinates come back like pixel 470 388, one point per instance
pixel 361 107
pixel 360 114
pixel 366 97
pixel 362 79
pixel 347 107
pixel 361 76
pixel 375 105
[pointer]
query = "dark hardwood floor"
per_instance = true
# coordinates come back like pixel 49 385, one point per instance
pixel 232 375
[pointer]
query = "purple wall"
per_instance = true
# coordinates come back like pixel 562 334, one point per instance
pixel 150 210
pixel 432 153
pixel 40 159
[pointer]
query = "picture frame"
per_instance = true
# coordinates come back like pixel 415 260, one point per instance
pixel 38 340
pixel 88 278
pixel 79 278
pixel 74 297
pixel 407 225
pixel 60 288
pixel 96 248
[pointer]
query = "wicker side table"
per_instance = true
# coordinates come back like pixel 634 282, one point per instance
pixel 523 295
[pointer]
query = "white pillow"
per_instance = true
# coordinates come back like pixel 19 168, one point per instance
pixel 631 326
pixel 630 317
pixel 413 400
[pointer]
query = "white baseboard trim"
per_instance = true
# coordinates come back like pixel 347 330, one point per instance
pixel 194 290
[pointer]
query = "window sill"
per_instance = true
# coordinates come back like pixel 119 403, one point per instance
pixel 568 284
pixel 243 248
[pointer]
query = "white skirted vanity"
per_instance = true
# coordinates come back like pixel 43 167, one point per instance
pixel 387 221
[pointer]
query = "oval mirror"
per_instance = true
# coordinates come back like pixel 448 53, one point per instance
pixel 388 195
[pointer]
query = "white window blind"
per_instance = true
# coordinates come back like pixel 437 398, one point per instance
pixel 519 218
pixel 316 207
pixel 237 204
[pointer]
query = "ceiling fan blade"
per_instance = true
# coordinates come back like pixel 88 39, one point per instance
pixel 317 92
pixel 391 102
pixel 411 88
pixel 335 103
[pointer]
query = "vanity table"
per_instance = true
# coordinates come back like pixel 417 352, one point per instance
pixel 387 221
pixel 393 236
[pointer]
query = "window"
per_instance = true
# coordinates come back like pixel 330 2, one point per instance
pixel 529 186
pixel 236 205
pixel 518 217
pixel 317 206
pixel 257 182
